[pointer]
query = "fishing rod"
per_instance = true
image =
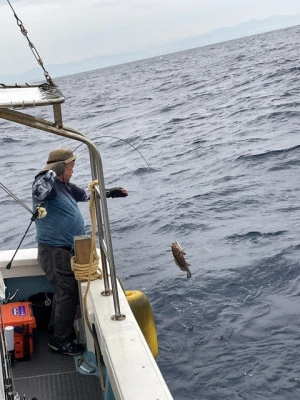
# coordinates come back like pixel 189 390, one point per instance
pixel 15 198
pixel 33 218
pixel 39 213
pixel 123 140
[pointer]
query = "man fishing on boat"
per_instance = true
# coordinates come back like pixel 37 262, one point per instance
pixel 55 234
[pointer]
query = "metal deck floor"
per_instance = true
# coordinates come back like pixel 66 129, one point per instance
pixel 53 376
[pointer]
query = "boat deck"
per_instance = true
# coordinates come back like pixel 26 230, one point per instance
pixel 49 375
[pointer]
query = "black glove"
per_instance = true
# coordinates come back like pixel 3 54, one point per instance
pixel 59 167
pixel 115 192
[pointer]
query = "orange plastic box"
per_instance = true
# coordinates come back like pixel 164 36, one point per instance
pixel 20 316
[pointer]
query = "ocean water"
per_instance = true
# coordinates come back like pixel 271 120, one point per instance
pixel 218 129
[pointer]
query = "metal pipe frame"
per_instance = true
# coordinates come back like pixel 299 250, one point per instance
pixel 57 128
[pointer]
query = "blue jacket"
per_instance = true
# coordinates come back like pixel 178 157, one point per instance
pixel 63 220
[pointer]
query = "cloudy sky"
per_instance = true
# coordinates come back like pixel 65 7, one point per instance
pixel 71 30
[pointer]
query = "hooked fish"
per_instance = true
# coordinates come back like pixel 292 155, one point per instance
pixel 178 254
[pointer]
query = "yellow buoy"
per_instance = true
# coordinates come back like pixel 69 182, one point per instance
pixel 141 309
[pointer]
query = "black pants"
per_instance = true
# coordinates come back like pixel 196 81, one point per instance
pixel 55 262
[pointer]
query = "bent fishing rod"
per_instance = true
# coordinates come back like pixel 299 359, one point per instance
pixel 37 213
pixel 124 141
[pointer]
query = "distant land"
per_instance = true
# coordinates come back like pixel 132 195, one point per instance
pixel 244 29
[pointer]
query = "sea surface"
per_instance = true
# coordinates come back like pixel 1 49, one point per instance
pixel 207 143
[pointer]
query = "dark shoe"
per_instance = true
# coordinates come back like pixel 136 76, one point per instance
pixel 52 345
pixel 69 349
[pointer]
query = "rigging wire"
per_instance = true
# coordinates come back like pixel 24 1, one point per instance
pixel 32 47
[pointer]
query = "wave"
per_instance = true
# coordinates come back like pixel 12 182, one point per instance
pixel 170 107
pixel 183 228
pixel 9 140
pixel 268 154
pixel 276 116
pixel 253 236
pixel 143 170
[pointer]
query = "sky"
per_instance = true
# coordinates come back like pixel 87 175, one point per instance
pixel 72 30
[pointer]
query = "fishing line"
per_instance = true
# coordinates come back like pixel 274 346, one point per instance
pixel 123 140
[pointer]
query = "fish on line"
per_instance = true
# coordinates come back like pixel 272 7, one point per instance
pixel 178 254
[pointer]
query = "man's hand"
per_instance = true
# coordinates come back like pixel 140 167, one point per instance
pixel 116 192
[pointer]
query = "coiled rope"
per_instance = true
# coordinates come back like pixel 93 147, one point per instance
pixel 90 272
